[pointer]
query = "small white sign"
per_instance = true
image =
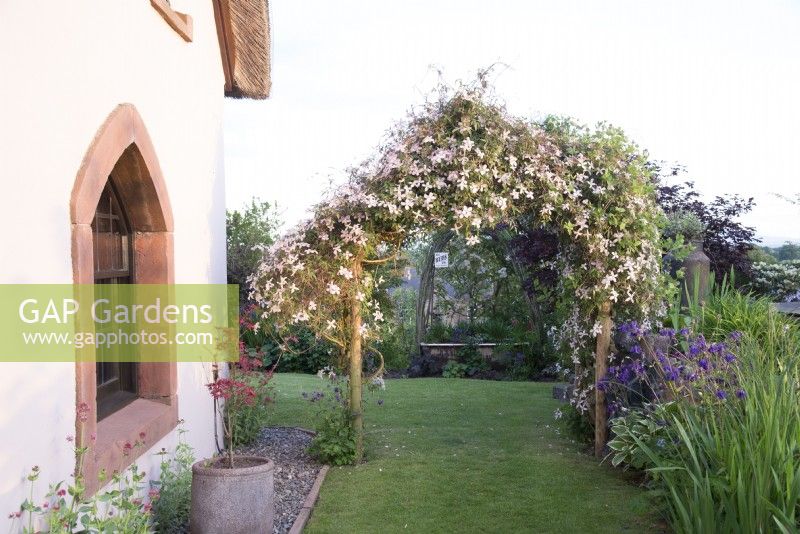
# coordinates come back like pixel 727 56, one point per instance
pixel 441 260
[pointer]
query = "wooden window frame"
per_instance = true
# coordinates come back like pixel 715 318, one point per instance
pixel 122 389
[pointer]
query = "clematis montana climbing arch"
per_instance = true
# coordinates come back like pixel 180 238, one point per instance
pixel 462 162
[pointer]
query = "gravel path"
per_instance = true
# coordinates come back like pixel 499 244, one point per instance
pixel 295 471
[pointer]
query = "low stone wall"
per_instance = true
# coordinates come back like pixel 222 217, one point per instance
pixel 433 356
pixel 449 351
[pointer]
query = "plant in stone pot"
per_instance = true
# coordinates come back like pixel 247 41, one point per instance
pixel 685 224
pixel 234 494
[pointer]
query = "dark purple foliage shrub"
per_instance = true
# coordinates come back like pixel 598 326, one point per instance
pixel 727 241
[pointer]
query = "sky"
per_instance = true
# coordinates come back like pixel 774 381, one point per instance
pixel 713 86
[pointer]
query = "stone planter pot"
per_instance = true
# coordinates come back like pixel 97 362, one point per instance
pixel 233 501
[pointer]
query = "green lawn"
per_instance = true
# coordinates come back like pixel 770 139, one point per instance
pixel 450 455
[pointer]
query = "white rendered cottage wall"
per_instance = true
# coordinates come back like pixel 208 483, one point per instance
pixel 64 67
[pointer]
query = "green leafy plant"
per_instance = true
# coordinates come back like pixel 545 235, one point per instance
pixel 469 289
pixel 439 332
pixel 730 460
pixel 249 419
pixel 520 368
pixel 248 232
pixel 66 507
pixel 119 509
pixel 335 442
pixel 398 331
pixel 473 359
pixel 172 495
pixel 298 351
pixel 684 223
pixel 738 467
pixel 576 424
pixel 647 426
pixel 306 354
pixel 454 369
pixel 739 463
pixel 730 310
pixel 762 255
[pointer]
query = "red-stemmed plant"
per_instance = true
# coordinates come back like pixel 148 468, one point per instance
pixel 245 386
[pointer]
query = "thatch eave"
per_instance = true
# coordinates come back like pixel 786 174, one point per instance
pixel 244 39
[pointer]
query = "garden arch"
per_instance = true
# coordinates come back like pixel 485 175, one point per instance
pixel 463 163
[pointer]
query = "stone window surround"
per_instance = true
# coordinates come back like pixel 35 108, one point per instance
pixel 155 413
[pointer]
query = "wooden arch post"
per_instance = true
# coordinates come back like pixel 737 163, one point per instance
pixel 600 368
pixel 355 357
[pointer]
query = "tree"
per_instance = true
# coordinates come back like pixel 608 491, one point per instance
pixel 762 255
pixel 789 251
pixel 525 251
pixel 426 283
pixel 248 232
pixel 532 252
pixel 465 289
pixel 727 242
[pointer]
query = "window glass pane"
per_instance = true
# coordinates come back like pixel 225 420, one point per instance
pixel 111 237
pixel 116 381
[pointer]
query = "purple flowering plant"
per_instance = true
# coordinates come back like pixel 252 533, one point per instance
pixel 670 365
pixel 335 442
pixel 654 373
pixel 718 420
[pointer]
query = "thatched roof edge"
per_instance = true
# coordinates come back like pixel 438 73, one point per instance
pixel 244 36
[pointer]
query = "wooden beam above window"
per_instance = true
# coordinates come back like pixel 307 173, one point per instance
pixel 180 22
